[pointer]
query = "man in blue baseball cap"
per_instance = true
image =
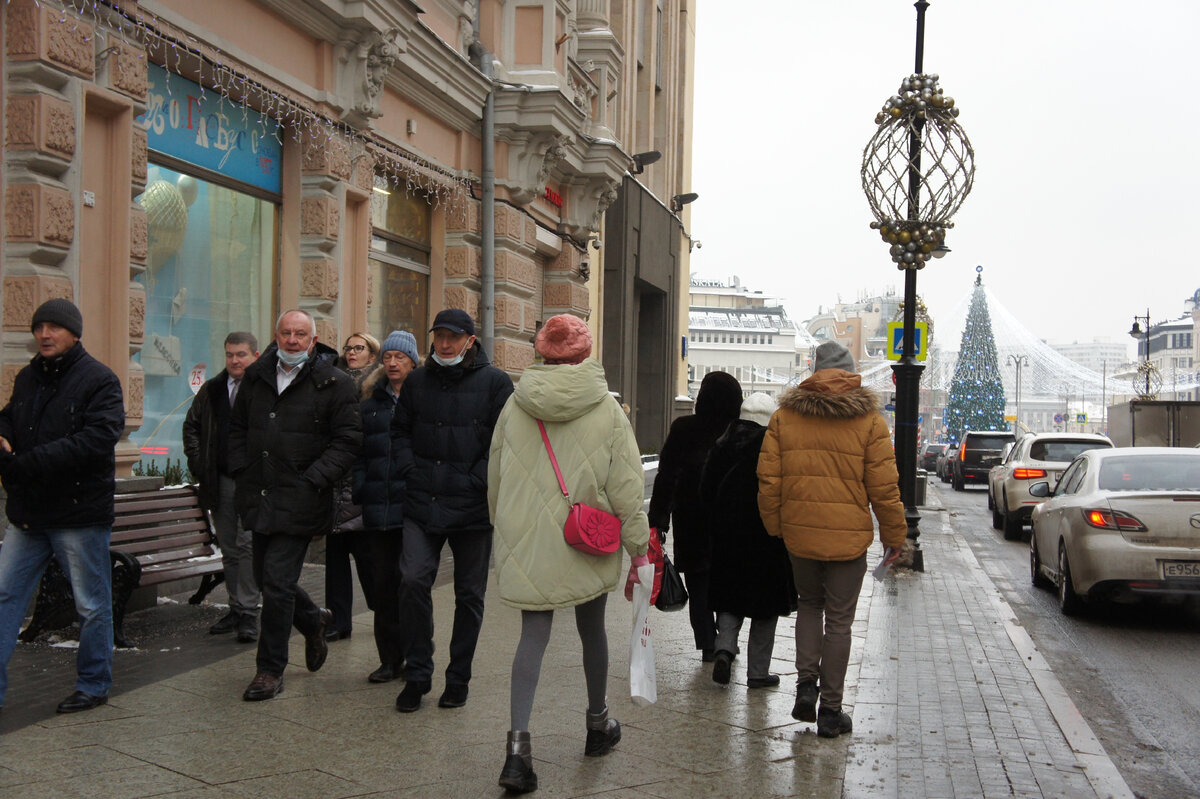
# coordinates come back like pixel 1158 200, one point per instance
pixel 441 436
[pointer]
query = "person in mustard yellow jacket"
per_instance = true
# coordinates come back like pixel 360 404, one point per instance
pixel 826 463
pixel 537 571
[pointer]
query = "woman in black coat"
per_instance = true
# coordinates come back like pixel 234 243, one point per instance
pixel 676 494
pixel 751 573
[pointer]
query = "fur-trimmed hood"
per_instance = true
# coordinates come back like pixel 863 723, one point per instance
pixel 831 393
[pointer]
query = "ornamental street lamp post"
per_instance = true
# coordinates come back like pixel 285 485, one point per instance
pixel 917 169
pixel 1147 382
pixel 1018 361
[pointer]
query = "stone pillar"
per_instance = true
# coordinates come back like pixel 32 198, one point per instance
pixel 592 14
pixel 326 168
pixel 55 61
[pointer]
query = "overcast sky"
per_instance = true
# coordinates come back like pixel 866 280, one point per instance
pixel 1083 115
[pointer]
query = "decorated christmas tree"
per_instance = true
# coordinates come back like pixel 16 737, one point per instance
pixel 976 392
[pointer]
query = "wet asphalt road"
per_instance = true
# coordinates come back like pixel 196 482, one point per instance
pixel 1133 671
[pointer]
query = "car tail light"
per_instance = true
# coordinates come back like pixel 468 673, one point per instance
pixel 962 453
pixel 1106 519
pixel 1028 474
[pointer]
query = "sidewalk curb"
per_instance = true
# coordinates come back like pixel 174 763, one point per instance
pixel 1101 772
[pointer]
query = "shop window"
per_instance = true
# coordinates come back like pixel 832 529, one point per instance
pixel 211 270
pixel 399 262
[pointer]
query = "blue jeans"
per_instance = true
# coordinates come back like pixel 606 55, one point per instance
pixel 82 553
pixel 419 558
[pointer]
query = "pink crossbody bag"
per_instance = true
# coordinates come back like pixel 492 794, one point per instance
pixel 588 529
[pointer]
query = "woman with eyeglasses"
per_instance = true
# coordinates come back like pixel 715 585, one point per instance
pixel 360 360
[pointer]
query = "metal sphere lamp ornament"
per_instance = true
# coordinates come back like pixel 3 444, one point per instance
pixel 917 169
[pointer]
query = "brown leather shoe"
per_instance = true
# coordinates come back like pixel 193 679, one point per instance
pixel 263 686
pixel 316 649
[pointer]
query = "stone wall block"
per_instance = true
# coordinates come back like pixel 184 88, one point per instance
pixel 516 270
pixel 557 295
pixel 21 122
pixel 325 155
pixel 135 396
pixel 33 212
pixel 139 234
pixel 513 356
pixel 137 314
pixel 140 157
pixel 24 293
pixel 327 331
pixel 463 217
pixel 462 263
pixel 315 277
pixel 40 33
pixel 8 378
pixel 128 71
pixel 462 297
pixel 530 232
pixel 567 260
pixel 319 216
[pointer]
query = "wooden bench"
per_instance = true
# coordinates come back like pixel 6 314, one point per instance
pixel 158 536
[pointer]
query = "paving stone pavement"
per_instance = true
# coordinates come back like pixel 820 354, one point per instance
pixel 947 697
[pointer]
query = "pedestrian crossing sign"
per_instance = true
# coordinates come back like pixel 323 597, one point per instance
pixel 896 340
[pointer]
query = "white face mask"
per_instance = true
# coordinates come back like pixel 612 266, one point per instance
pixel 456 360
pixel 293 359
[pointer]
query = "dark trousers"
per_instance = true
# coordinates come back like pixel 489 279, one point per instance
pixel 339 582
pixel 702 617
pixel 385 547
pixel 419 561
pixel 278 560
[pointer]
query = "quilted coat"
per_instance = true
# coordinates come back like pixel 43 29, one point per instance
pixel 827 462
pixel 598 456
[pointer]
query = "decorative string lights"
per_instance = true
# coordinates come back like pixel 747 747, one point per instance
pixel 214 71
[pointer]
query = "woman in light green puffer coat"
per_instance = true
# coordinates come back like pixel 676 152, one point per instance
pixel 537 571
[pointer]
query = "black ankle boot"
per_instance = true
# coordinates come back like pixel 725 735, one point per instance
pixel 603 734
pixel 517 775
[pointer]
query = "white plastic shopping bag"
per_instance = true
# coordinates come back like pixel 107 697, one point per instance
pixel 643 683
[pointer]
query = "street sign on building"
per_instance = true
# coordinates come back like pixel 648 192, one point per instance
pixel 1081 418
pixel 896 340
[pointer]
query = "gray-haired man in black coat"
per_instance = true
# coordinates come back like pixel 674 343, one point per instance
pixel 296 431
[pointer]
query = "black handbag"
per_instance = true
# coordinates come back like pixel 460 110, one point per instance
pixel 671 594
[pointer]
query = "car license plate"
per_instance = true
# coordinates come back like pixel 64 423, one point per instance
pixel 1180 568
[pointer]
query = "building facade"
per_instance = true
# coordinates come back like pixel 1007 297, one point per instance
pixel 742 332
pixel 183 169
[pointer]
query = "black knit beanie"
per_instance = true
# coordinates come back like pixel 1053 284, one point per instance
pixel 59 312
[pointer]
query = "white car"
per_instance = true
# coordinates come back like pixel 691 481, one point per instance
pixel 1123 524
pixel 1041 456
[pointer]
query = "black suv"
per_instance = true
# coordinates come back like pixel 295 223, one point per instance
pixel 978 452
pixel 929 456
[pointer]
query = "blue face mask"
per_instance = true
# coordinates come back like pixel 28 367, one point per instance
pixel 456 360
pixel 293 359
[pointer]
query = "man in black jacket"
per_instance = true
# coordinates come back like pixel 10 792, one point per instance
pixel 295 432
pixel 57 438
pixel 206 441
pixel 441 435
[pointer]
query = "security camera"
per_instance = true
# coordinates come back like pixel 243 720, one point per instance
pixel 699 245
pixel 596 244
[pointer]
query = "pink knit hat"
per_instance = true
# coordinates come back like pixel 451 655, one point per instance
pixel 564 339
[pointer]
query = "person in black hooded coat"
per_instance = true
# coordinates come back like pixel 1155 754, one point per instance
pixel 751 573
pixel 676 494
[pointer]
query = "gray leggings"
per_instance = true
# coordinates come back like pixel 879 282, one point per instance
pixel 527 662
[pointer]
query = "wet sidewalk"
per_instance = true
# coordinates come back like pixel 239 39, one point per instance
pixel 949 699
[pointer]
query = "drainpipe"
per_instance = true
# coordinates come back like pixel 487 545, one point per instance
pixel 482 60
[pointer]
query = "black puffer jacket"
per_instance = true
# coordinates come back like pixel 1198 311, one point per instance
pixel 751 571
pixel 442 433
pixel 288 451
pixel 64 420
pixel 206 436
pixel 347 513
pixel 677 485
pixel 377 489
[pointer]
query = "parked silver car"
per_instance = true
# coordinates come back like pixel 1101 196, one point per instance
pixel 1041 456
pixel 1123 524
